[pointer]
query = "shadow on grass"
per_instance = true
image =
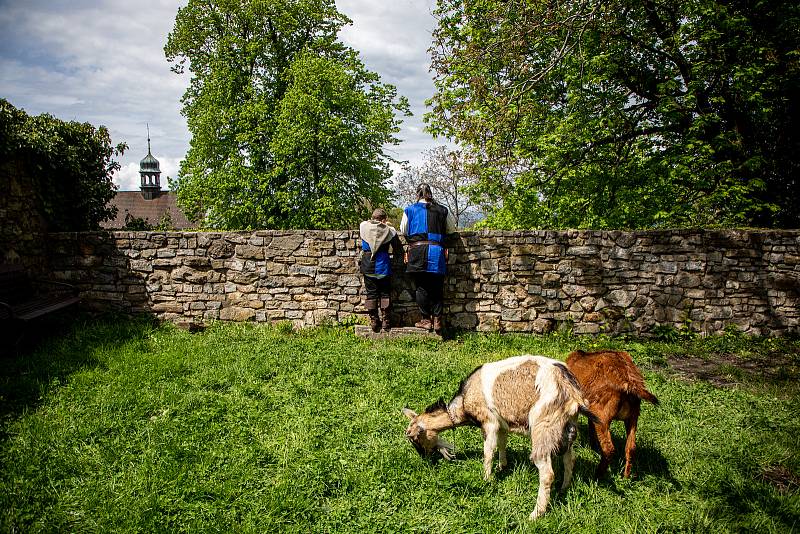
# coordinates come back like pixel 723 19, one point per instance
pixel 59 346
pixel 521 457
pixel 739 492
pixel 647 459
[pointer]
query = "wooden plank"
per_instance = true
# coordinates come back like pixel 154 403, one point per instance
pixel 37 308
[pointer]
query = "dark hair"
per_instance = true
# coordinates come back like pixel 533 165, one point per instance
pixel 424 192
pixel 379 214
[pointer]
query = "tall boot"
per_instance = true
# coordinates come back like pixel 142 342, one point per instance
pixel 372 309
pixel 437 324
pixel 424 323
pixel 385 322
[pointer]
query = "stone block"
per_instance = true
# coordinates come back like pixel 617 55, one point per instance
pixel 249 252
pixel 170 306
pixel 582 251
pixel 221 250
pixel 143 266
pixel 297 281
pixel 235 313
pixel 284 245
pixel 586 328
pixel 687 279
pixel 619 297
pixel 543 325
pixel 488 267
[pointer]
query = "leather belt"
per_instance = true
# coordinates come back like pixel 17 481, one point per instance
pixel 418 243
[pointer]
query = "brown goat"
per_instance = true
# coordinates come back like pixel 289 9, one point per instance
pixel 614 388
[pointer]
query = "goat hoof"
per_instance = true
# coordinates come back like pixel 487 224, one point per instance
pixel 535 515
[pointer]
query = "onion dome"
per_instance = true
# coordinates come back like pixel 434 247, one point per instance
pixel 149 164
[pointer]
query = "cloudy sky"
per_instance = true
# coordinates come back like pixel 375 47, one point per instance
pixel 102 62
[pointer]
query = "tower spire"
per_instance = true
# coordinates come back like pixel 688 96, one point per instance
pixel 150 172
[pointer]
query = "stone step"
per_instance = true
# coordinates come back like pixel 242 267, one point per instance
pixel 398 331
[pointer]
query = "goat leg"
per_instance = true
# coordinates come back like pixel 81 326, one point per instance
pixel 569 464
pixel 606 446
pixel 546 476
pixel 502 440
pixel 489 444
pixel 630 444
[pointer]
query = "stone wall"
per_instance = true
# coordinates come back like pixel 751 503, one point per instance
pixel 533 281
pixel 22 229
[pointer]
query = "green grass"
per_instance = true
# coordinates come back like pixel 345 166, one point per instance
pixel 119 425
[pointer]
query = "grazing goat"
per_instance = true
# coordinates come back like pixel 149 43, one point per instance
pixel 615 389
pixel 530 395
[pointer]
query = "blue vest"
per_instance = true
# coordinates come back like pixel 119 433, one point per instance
pixel 381 266
pixel 426 222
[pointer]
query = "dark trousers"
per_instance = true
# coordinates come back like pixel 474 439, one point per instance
pixel 430 293
pixel 378 288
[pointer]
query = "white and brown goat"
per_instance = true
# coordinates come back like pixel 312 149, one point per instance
pixel 530 395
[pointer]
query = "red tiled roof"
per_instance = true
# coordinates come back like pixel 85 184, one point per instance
pixel 150 210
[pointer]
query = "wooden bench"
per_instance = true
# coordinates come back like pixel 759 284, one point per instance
pixel 24 299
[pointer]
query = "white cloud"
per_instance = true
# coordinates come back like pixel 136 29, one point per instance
pixel 127 178
pixel 102 61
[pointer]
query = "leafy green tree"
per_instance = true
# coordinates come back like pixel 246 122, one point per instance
pixel 624 113
pixel 71 165
pixel 288 126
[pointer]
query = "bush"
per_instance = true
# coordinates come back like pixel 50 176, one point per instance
pixel 70 164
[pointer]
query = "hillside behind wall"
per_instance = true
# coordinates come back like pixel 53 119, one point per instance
pixel 531 281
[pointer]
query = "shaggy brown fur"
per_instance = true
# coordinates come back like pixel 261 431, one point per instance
pixel 530 395
pixel 614 388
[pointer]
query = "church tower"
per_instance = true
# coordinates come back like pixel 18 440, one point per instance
pixel 150 173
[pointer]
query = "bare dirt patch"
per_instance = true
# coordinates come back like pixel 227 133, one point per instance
pixel 781 478
pixel 723 369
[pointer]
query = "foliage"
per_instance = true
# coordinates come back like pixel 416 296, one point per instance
pixel 165 223
pixel 450 174
pixel 135 224
pixel 288 126
pixel 121 425
pixel 71 165
pixel 622 113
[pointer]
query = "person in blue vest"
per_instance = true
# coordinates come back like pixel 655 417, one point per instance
pixel 377 238
pixel 425 225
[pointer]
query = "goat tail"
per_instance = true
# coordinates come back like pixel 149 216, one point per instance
pixel 646 395
pixel 583 409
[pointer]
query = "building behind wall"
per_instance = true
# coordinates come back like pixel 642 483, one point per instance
pixel 150 204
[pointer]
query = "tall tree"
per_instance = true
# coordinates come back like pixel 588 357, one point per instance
pixel 625 113
pixel 288 126
pixel 451 176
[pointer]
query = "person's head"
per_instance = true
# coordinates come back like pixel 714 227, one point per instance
pixel 379 215
pixel 424 193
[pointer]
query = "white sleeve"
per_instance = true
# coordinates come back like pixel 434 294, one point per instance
pixel 404 224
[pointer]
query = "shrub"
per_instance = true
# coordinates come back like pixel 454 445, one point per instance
pixel 70 164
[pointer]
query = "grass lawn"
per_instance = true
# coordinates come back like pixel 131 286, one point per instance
pixel 120 425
